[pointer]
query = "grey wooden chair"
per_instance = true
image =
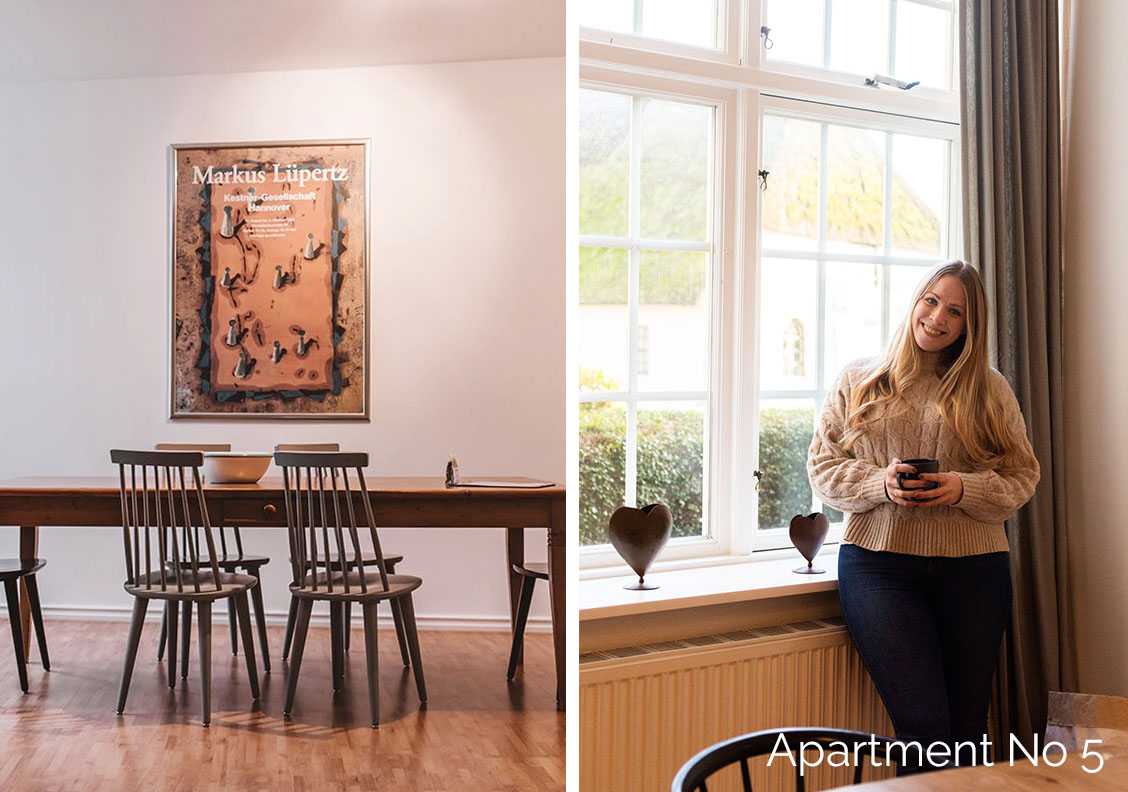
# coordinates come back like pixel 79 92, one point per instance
pixel 530 573
pixel 233 561
pixel 11 571
pixel 367 559
pixel 325 491
pixel 162 497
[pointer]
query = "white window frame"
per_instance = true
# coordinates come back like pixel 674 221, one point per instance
pixel 742 84
pixel 715 513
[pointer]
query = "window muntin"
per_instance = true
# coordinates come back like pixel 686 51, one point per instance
pixel 644 323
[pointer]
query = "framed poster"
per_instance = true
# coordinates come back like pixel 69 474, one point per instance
pixel 270 280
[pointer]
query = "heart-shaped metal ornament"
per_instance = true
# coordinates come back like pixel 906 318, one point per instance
pixel 639 535
pixel 808 534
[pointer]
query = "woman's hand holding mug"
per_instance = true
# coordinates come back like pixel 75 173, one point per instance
pixel 903 492
pixel 948 493
pixel 923 489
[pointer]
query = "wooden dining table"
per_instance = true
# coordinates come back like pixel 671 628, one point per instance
pixel 415 502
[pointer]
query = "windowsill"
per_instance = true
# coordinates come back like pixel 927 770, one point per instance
pixel 620 569
pixel 703 586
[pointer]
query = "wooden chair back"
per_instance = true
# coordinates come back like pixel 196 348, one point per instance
pixel 308 447
pixel 222 529
pixel 161 492
pixel 325 491
pixel 738 750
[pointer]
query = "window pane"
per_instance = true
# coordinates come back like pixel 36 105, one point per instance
pixel 603 465
pixel 788 327
pixel 692 22
pixel 859 36
pixel 786 428
pixel 853 314
pixel 920 177
pixel 855 190
pixel 684 21
pixel 903 281
pixel 675 169
pixel 603 334
pixel 790 209
pixel 615 15
pixel 796 31
pixel 671 461
pixel 673 317
pixel 923 44
pixel 605 135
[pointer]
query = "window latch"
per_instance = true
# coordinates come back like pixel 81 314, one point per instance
pixel 763 180
pixel 892 82
pixel 765 32
pixel 758 476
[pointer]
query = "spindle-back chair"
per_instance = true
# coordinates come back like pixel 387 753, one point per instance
pixel 367 559
pixel 530 573
pixel 228 561
pixel 12 570
pixel 325 495
pixel 796 741
pixel 162 499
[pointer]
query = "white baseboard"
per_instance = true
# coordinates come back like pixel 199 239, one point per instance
pixel 278 618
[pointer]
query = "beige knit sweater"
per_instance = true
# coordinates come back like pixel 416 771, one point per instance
pixel 854 481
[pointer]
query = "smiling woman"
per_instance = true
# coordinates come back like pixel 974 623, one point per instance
pixel 923 572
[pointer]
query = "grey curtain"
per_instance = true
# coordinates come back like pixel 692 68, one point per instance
pixel 1011 137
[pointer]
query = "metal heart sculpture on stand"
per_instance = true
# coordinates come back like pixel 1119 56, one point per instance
pixel 639 535
pixel 808 534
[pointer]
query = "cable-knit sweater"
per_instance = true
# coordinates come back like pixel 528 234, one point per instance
pixel 854 481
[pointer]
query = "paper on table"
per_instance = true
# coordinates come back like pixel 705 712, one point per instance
pixel 509 484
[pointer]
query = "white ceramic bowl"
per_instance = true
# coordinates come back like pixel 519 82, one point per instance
pixel 235 467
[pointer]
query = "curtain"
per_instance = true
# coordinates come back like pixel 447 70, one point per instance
pixel 1011 172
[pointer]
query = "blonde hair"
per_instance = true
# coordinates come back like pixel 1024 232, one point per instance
pixel 967 402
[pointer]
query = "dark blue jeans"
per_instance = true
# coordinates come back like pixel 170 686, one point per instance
pixel 928 630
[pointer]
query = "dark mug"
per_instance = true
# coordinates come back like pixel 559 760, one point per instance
pixel 922 466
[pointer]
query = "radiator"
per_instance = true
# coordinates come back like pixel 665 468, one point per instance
pixel 644 710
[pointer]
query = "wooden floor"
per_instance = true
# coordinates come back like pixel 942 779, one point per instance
pixel 477 732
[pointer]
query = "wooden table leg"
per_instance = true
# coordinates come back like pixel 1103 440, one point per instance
pixel 514 554
pixel 29 549
pixel 557 586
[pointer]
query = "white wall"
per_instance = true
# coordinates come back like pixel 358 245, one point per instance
pixel 1096 368
pixel 466 303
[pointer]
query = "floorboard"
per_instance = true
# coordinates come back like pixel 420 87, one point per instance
pixel 477 732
